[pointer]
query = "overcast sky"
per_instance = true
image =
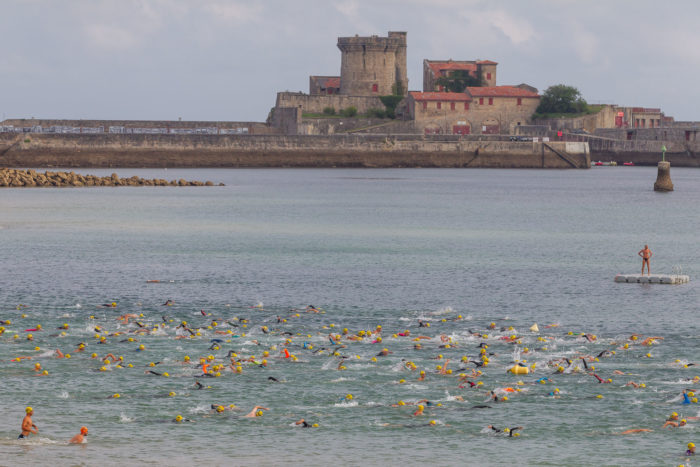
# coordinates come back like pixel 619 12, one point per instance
pixel 226 59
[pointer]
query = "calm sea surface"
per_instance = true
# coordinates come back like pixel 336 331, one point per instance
pixel 368 247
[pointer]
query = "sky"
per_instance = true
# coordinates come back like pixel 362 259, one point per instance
pixel 227 59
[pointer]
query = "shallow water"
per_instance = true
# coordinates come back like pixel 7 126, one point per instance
pixel 369 247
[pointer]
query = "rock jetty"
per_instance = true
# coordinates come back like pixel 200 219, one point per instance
pixel 32 178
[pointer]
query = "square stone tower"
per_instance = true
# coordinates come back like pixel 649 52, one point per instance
pixel 373 66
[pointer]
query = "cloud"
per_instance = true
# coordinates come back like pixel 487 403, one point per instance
pixel 585 43
pixel 350 11
pixel 235 12
pixel 107 36
pixel 515 29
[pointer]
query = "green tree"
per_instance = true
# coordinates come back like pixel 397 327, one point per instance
pixel 459 80
pixel 562 99
pixel 349 111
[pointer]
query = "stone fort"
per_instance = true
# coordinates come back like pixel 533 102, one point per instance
pixel 375 66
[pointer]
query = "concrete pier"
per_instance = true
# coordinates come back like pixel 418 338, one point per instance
pixel 653 278
pixel 663 178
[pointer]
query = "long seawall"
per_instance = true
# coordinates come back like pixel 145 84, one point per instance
pixel 140 150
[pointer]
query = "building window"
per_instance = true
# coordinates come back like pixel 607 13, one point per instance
pixel 520 101
pixel 488 76
pixel 481 101
pixel 425 105
pixel 490 100
pixel 466 106
pixel 375 87
pixel 452 105
pixel 439 105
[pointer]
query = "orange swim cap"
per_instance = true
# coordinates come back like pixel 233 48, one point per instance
pixel 83 430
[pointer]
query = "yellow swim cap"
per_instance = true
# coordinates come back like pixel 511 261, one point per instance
pixel 599 396
pixel 45 372
pixel 29 410
pixel 402 403
pixel 187 358
pixel 219 408
pixel 116 395
pixel 433 422
pixel 315 425
pixel 691 445
pixel 259 413
pixel 401 381
pixel 348 397
pixel 142 347
pixel 166 374
pixel 178 418
pixel 674 414
pixel 172 394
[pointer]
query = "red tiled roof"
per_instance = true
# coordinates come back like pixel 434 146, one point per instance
pixel 440 96
pixel 486 62
pixel 500 91
pixel 437 67
pixel 328 81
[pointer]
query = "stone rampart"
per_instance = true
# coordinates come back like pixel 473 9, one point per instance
pixel 350 150
pixel 253 128
pixel 316 104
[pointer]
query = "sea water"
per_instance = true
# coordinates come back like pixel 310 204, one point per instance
pixel 368 247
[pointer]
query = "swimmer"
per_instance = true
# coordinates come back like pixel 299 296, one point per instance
pixel 59 354
pixel 254 413
pixel 650 340
pixel 635 430
pixel 601 380
pixel 686 399
pixel 508 431
pixel 675 424
pixel 151 372
pixel 384 353
pixel 420 411
pixel 691 449
pixel 302 423
pixel 168 303
pixel 80 437
pixel 443 368
pixel 273 379
pixel 125 318
pixel 646 255
pixel 28 425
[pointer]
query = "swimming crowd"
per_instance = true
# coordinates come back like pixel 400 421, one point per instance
pixel 212 338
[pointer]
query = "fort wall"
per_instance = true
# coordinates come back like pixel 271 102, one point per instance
pixel 119 150
pixel 316 103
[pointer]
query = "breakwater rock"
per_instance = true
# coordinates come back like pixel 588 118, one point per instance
pixel 32 178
